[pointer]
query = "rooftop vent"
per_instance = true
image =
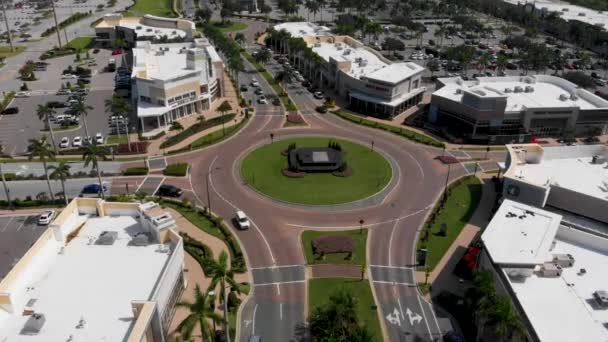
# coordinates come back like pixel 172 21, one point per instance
pixel 317 44
pixel 140 239
pixel 598 160
pixel 346 52
pixel 528 89
pixel 363 62
pixel 33 325
pixel 563 97
pixel 550 269
pixel 601 298
pixel 582 14
pixel 518 89
pixel 106 238
pixel 573 97
pixel 458 91
pixel 563 260
pixel 508 90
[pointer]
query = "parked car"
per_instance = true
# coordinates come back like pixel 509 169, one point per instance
pixel 169 191
pixel 95 51
pixel 56 104
pixel 23 94
pixel 276 101
pixel 46 217
pixel 255 83
pixel 63 92
pixel 259 91
pixel 87 141
pixel 262 100
pixel 243 87
pixel 94 189
pixel 318 95
pixel 10 110
pixel 321 109
pixel 99 138
pixel 242 220
pixel 77 141
pixel 600 82
pixel 68 76
pixel 65 142
pixel 116 52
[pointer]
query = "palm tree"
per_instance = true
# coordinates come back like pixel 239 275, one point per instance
pixel 91 155
pixel 61 171
pixel 485 60
pixel 506 321
pixel 118 106
pixel 45 112
pixel 40 148
pixel 176 126
pixel 222 274
pixel 501 62
pixel 82 109
pixel 239 38
pixel 263 56
pixel 201 312
pixel 223 108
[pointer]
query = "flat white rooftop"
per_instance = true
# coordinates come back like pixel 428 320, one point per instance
pixel 562 308
pixel 520 234
pixel 547 92
pixel 87 281
pixel 570 12
pixel 141 29
pixel 303 28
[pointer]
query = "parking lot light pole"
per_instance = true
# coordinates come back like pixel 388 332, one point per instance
pixel 8 31
pixel 207 186
pixel 447 177
pixel 6 190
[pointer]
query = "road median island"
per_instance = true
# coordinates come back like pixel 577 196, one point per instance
pixel 334 247
pixel 448 218
pixel 400 131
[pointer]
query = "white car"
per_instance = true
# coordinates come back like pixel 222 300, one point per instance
pixel 262 100
pixel 63 92
pixel 318 95
pixel 77 142
pixel 255 83
pixel 65 142
pixel 23 94
pixel 242 220
pixel 68 76
pixel 87 140
pixel 99 138
pixel 46 217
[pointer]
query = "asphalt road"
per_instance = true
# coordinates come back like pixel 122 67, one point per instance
pixel 17 234
pixel 73 187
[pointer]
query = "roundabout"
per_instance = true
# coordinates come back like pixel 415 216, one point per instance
pixel 364 172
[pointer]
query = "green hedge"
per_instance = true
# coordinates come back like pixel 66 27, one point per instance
pixel 403 132
pixel 212 138
pixel 136 171
pixel 70 20
pixel 199 251
pixel 197 127
pixel 177 169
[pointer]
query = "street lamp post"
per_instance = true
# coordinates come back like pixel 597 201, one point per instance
pixel 372 145
pixel 207 186
pixel 271 138
pixel 447 177
pixel 361 222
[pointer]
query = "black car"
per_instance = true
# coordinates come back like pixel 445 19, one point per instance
pixel 321 109
pixel 169 191
pixel 11 110
pixel 56 104
pixel 276 101
pixel 243 87
pixel 305 84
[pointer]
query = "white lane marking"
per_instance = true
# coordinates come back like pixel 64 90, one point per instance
pixel 281 282
pixel 278 289
pixel 424 315
pixel 255 309
pixel 21 225
pixel 396 267
pixel 433 312
pixel 392 283
pixel 159 184
pixel 281 311
pixel 400 307
pixel 142 183
pixel 273 267
pixel 234 207
pixel 192 188
pixel 7 224
pixel 357 226
pixel 265 124
pixel 390 244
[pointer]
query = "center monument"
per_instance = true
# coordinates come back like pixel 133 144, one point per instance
pixel 315 159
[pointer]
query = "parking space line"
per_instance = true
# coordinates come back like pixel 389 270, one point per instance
pixel 278 266
pixel 397 267
pixel 142 183
pixel 7 224
pixel 21 225
pixel 159 184
pixel 391 283
pixel 280 282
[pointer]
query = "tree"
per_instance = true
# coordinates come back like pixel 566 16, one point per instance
pixel 263 56
pixel 580 79
pixel 120 107
pixel 433 66
pixel 337 320
pixel 40 148
pixel 485 60
pixel 288 6
pixel 222 274
pixel 314 7
pixel 505 320
pixel 239 38
pixel 392 44
pixel 82 109
pixel 91 155
pixel 45 112
pixel 204 14
pixel 61 171
pixel 373 29
pixel 201 312
pixel 176 126
pixel 223 109
pixel 462 54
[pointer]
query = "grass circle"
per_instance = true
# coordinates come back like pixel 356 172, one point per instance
pixel 261 169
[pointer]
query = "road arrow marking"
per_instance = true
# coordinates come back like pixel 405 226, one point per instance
pixel 413 317
pixel 394 317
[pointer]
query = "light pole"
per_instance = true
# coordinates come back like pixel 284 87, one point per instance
pixel 361 222
pixel 271 138
pixel 6 190
pixel 207 186
pixel 447 177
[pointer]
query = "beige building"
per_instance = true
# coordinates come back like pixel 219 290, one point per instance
pixel 148 27
pixel 102 271
pixel 173 81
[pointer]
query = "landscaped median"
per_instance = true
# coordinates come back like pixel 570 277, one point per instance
pixel 176 170
pixel 334 247
pixel 213 137
pixel 403 132
pixel 447 219
pixel 196 128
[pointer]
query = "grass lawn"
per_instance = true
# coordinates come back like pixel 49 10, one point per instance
pixel 115 139
pixel 163 8
pixel 358 257
pixel 81 43
pixel 319 291
pixel 262 170
pixel 464 197
pixel 5 51
pixel 232 27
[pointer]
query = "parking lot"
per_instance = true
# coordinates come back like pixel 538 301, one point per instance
pixel 16 130
pixel 17 234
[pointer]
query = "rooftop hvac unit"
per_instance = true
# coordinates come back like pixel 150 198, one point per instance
pixel 339 47
pixel 563 260
pixel 528 89
pixel 598 160
pixel 458 91
pixel 601 298
pixel 358 59
pixel 363 62
pixel 346 52
pixel 563 97
pixel 573 97
pixel 518 89
pixel 582 14
pixel 550 269
pixel 140 239
pixel 33 325
pixel 508 90
pixel 106 238
pixel 317 44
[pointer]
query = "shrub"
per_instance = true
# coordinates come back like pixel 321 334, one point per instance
pixel 137 147
pixel 154 137
pixel 177 169
pixel 197 127
pixel 136 171
pixel 295 118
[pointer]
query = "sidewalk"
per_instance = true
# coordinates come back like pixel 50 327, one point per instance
pixel 441 277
